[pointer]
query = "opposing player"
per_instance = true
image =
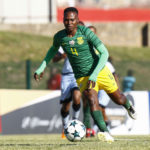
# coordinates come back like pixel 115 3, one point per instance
pixel 69 90
pixel 90 71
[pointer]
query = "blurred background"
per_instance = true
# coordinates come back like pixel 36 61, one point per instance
pixel 27 28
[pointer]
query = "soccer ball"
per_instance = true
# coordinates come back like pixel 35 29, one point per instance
pixel 75 130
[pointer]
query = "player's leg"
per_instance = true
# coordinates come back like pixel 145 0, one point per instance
pixel 65 115
pixel 108 83
pixel 86 116
pixel 96 112
pixel 120 99
pixel 97 115
pixel 103 99
pixel 74 91
pixel 76 97
pixel 65 100
pixel 92 98
pixel 95 128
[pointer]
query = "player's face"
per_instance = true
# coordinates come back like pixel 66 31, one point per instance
pixel 70 21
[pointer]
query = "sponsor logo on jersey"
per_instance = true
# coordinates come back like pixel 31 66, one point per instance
pixel 72 42
pixel 80 40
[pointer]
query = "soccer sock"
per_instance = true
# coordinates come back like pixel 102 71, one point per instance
pixel 99 120
pixel 76 111
pixel 86 116
pixel 127 104
pixel 76 114
pixel 65 117
pixel 65 121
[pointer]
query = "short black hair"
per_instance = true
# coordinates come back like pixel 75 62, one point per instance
pixel 70 9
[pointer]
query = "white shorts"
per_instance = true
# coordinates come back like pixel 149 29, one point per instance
pixel 103 98
pixel 68 83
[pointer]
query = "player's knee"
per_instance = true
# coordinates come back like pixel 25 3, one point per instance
pixel 87 94
pixel 77 96
pixel 76 107
pixel 92 103
pixel 91 97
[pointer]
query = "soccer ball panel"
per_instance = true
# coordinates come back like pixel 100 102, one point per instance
pixel 75 130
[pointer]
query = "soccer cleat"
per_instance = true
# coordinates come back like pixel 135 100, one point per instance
pixel 105 137
pixel 88 132
pixel 132 113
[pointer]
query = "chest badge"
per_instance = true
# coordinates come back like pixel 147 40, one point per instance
pixel 80 40
pixel 72 42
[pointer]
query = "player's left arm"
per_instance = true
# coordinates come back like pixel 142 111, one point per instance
pixel 103 57
pixel 102 54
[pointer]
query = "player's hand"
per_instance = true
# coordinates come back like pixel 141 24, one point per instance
pixel 36 77
pixel 90 84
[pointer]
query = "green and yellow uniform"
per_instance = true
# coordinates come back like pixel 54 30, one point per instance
pixel 86 64
pixel 79 50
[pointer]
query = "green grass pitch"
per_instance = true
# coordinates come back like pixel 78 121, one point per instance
pixel 54 142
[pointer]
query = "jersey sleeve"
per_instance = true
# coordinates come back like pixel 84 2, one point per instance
pixel 56 41
pixel 103 57
pixel 50 54
pixel 92 38
pixel 102 50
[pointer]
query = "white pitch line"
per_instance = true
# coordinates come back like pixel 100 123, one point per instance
pixel 127 139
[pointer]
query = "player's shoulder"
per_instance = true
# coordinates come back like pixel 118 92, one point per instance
pixel 83 29
pixel 60 33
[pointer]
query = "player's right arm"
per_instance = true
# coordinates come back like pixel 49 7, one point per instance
pixel 40 71
pixel 50 54
pixel 102 54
